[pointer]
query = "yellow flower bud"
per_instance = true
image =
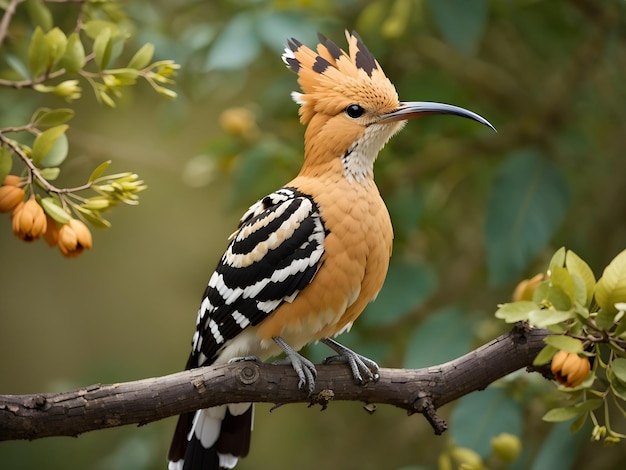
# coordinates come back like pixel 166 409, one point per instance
pixel 12 180
pixel 10 194
pixel 525 289
pixel 598 432
pixel 52 232
pixel 29 221
pixel 74 237
pixel 467 458
pixel 570 369
pixel 506 447
pixel 68 89
pixel 238 121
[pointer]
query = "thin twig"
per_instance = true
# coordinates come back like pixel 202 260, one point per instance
pixel 6 19
pixel 47 186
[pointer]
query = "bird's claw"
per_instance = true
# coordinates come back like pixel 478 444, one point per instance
pixel 359 365
pixel 245 359
pixel 304 368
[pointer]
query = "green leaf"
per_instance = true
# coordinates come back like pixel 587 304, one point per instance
pixel 577 267
pixel 589 405
pixel 566 413
pixel 6 162
pixel 605 319
pixel 621 328
pixel 236 46
pixel 545 355
pixel 93 28
pixel 526 205
pixel 102 48
pixel 579 422
pixel 617 386
pixel 38 53
pixel 619 368
pixel 39 14
pixel 558 258
pixel 50 173
pixel 52 117
pixel 516 311
pixel 57 154
pixel 444 335
pixel 566 343
pixel 580 291
pixel 99 171
pixel 45 141
pixel 551 295
pixel 57 42
pixel 556 415
pixel 74 58
pixel 562 278
pixel 53 208
pixel 406 287
pixel 142 57
pixel 547 317
pixel 479 417
pixel 462 24
pixel 611 288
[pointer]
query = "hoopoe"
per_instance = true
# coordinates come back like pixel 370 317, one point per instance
pixel 307 258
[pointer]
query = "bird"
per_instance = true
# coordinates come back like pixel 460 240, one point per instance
pixel 307 258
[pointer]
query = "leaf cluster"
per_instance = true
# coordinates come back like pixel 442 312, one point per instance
pixel 90 54
pixel 55 62
pixel 587 317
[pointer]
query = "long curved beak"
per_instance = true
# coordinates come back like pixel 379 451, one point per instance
pixel 413 109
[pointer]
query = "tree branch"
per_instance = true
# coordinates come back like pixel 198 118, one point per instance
pixel 144 401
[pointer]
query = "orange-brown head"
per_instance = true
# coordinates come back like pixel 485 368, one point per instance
pixel 350 107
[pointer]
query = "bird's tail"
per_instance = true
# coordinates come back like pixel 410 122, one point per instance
pixel 212 439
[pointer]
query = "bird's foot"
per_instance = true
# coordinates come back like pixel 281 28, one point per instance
pixel 359 365
pixel 304 368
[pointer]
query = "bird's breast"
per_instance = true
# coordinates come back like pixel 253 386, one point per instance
pixel 357 248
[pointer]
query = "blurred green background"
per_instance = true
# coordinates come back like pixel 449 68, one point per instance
pixel 474 213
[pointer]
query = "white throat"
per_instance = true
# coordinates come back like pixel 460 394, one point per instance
pixel 358 161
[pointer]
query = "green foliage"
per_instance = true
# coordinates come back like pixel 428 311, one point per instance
pixel 526 205
pixel 611 288
pixel 240 30
pixel 440 338
pixel 6 162
pixel 587 326
pixel 52 56
pixel 462 24
pixel 559 450
pixel 499 413
pixel 45 142
pixel 407 287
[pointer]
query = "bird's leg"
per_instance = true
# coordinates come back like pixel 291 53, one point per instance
pixel 304 368
pixel 359 365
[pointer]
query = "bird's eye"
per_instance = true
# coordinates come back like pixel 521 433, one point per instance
pixel 354 111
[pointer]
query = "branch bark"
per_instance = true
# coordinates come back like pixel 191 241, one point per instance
pixel 144 401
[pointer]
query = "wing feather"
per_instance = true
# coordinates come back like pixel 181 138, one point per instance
pixel 274 254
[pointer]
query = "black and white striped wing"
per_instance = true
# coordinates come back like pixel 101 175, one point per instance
pixel 273 255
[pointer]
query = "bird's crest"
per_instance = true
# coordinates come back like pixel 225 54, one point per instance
pixel 332 79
